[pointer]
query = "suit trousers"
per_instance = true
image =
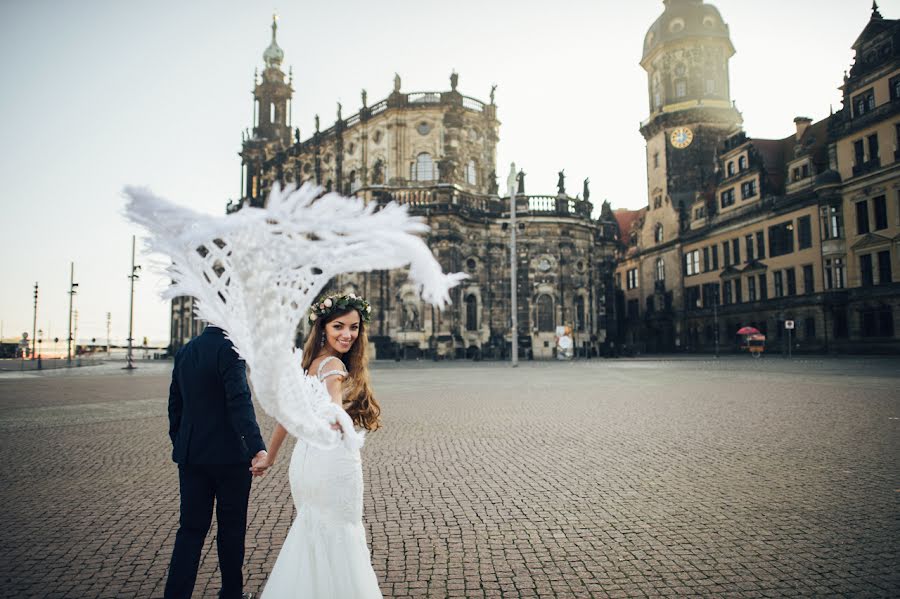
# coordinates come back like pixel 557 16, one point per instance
pixel 228 487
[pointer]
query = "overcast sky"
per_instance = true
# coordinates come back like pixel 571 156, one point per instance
pixel 99 94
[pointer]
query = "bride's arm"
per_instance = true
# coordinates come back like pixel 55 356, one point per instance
pixel 275 442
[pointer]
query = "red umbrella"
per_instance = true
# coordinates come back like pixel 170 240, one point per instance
pixel 748 331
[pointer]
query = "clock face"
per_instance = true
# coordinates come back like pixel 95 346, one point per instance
pixel 682 137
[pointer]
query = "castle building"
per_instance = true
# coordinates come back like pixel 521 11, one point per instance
pixel 738 231
pixel 435 152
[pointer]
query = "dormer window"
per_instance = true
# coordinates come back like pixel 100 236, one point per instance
pixel 727 198
pixel 863 103
pixel 676 25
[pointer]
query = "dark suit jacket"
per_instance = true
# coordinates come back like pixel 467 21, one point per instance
pixel 211 418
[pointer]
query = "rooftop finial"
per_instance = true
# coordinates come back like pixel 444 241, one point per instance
pixel 875 13
pixel 273 54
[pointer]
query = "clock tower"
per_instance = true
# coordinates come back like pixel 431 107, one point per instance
pixel 686 53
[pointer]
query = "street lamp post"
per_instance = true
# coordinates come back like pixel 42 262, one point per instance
pixel 133 276
pixel 39 341
pixel 514 307
pixel 34 323
pixel 72 291
pixel 716 320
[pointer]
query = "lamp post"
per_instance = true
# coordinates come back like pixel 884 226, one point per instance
pixel 72 291
pixel 34 322
pixel 716 319
pixel 39 341
pixel 129 365
pixel 514 307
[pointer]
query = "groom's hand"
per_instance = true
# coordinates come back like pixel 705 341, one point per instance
pixel 260 463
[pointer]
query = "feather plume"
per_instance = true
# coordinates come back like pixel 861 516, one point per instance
pixel 254 273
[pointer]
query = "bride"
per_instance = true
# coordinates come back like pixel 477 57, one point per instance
pixel 325 554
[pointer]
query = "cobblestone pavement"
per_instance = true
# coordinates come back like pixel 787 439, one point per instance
pixel 619 478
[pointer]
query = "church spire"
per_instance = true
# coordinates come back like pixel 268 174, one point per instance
pixel 273 54
pixel 875 13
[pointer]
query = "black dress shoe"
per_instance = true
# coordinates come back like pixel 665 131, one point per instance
pixel 247 596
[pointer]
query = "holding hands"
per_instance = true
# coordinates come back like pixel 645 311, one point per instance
pixel 260 463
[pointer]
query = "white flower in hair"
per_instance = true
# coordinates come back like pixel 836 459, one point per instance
pixel 313 316
pixel 328 303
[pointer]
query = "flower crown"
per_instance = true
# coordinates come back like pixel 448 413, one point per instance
pixel 339 303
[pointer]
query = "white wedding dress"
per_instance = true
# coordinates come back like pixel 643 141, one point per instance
pixel 325 555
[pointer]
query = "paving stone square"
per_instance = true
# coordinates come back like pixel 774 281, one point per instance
pixel 606 478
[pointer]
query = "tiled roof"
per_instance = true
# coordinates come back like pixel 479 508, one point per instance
pixel 626 219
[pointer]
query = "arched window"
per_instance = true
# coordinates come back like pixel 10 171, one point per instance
pixel 730 168
pixel 471 176
pixel 660 269
pixel 423 168
pixel 658 233
pixel 580 324
pixel 272 112
pixel 545 320
pixel 471 312
pixel 742 163
pixel 680 88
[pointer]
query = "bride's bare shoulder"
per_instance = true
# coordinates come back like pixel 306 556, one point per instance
pixel 314 364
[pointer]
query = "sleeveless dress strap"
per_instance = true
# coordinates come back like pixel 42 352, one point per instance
pixel 324 375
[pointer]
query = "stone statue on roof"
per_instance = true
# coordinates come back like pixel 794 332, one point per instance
pixel 561 182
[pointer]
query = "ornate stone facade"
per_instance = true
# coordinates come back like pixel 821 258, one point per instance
pixel 737 231
pixel 436 153
pixel 741 231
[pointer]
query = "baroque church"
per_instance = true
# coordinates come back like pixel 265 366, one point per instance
pixel 803 231
pixel 435 152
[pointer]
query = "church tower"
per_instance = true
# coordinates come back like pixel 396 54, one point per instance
pixel 272 95
pixel 686 53
pixel 271 123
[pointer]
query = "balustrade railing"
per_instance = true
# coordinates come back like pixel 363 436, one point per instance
pixel 473 104
pixel 424 98
pixel 541 203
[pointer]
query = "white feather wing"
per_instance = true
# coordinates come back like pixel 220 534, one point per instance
pixel 255 272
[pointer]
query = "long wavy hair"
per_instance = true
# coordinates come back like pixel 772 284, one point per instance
pixel 359 401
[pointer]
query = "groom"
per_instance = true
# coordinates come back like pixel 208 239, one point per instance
pixel 218 448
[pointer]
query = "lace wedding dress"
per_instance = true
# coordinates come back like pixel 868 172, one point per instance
pixel 325 553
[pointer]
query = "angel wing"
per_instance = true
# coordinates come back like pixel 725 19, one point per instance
pixel 255 273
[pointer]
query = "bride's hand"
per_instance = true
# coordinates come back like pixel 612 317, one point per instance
pixel 336 426
pixel 260 463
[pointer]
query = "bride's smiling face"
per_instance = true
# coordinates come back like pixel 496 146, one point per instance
pixel 341 333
